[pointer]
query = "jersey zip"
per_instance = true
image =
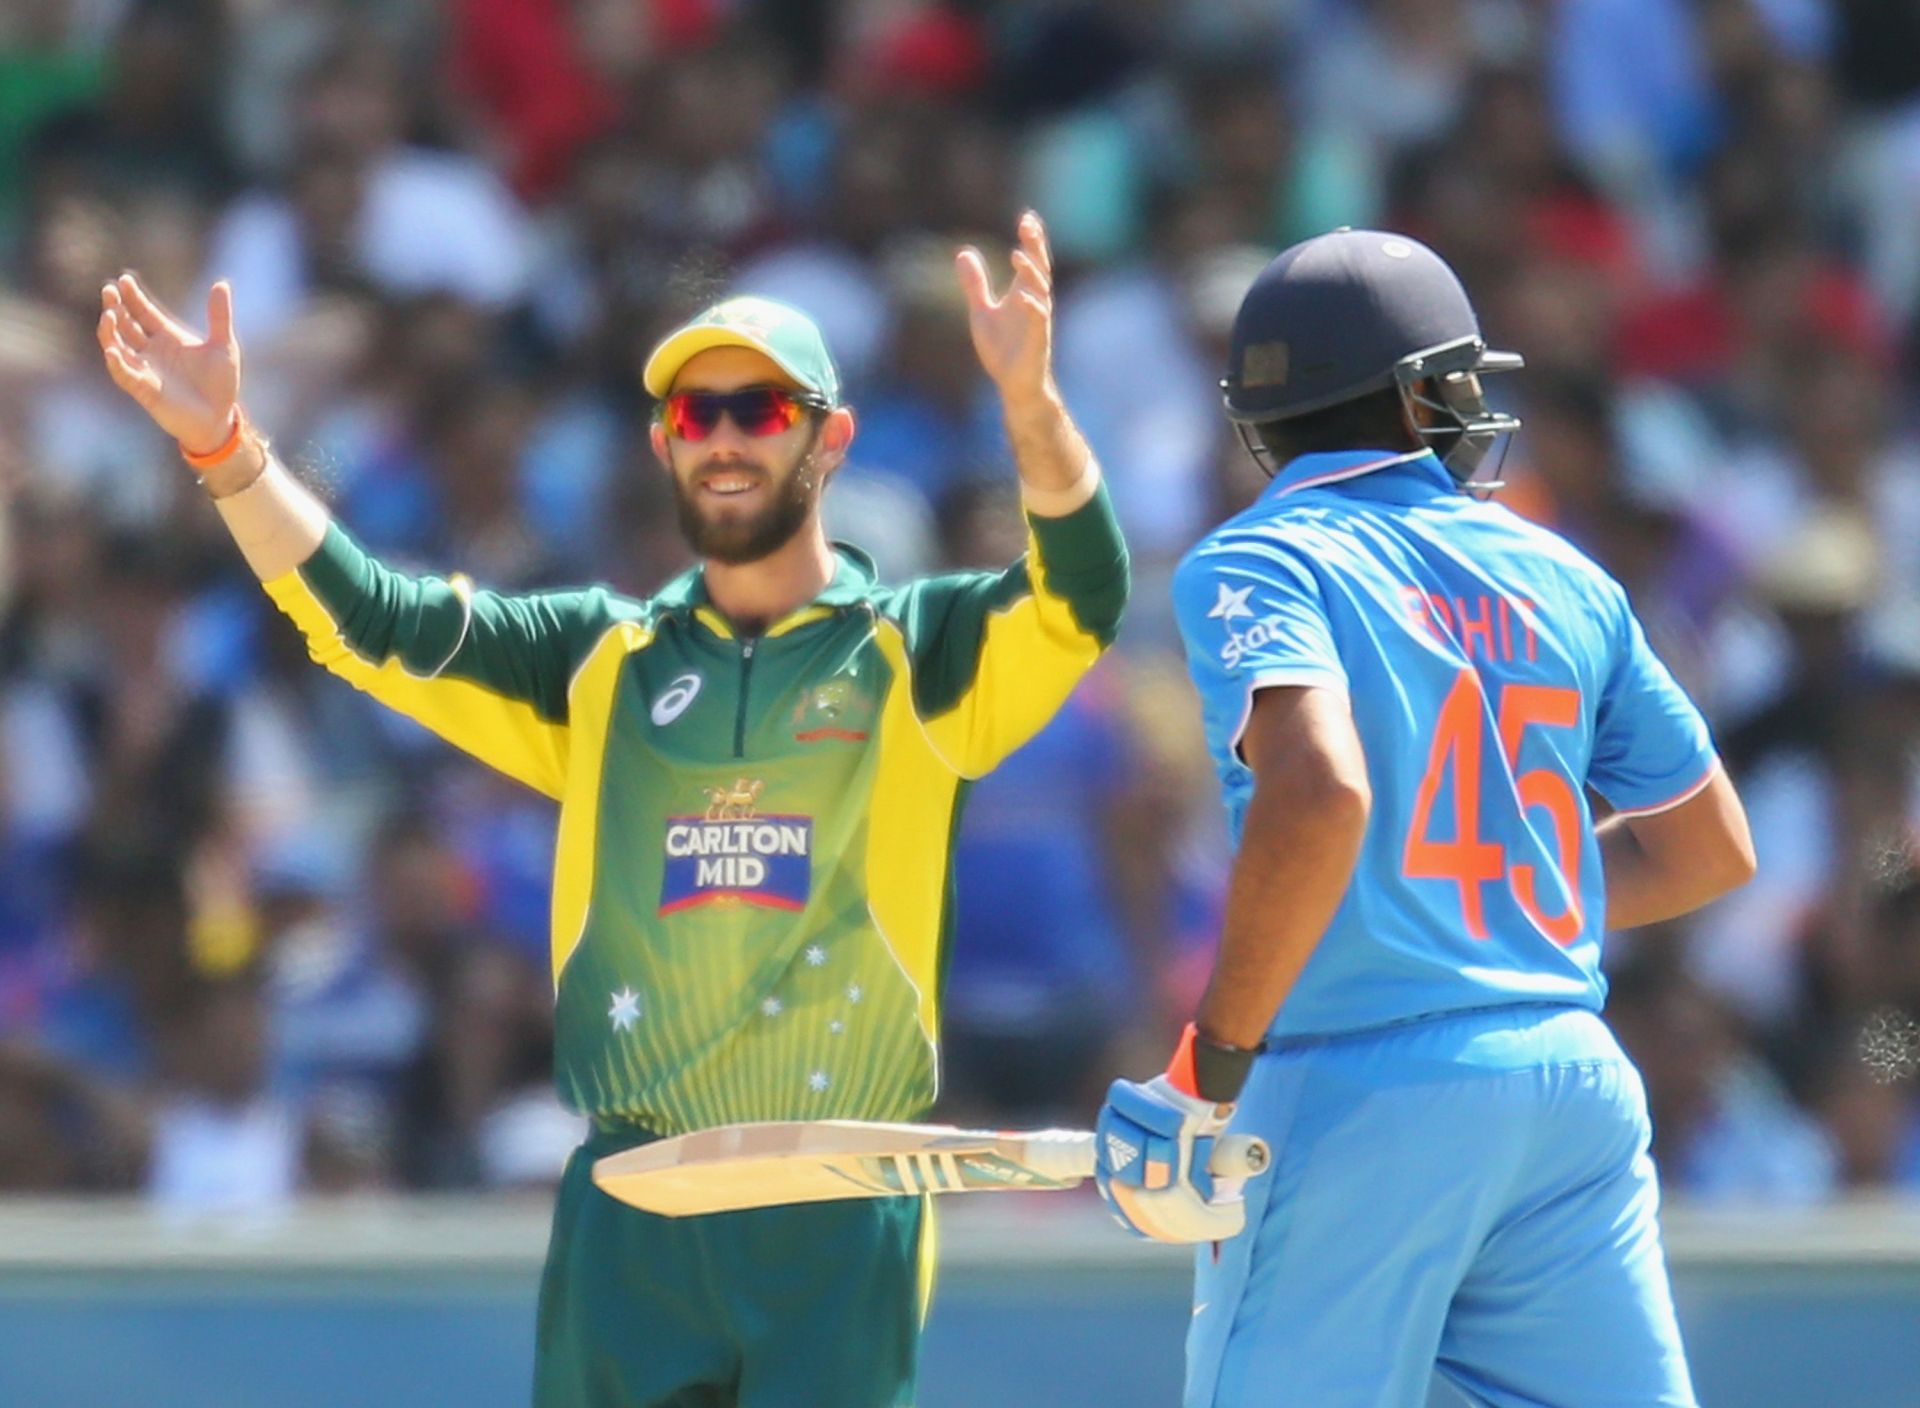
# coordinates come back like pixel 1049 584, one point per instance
pixel 740 717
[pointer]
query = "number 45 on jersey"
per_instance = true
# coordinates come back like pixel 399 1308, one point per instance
pixel 1469 861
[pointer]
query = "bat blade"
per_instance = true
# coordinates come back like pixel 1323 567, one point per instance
pixel 810 1161
pixel 743 1166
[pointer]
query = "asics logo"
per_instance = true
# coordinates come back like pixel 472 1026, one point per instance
pixel 672 704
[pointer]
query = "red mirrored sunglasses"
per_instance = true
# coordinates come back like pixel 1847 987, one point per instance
pixel 757 410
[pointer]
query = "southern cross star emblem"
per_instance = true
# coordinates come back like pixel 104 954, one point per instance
pixel 818 1082
pixel 815 955
pixel 625 1010
pixel 855 992
pixel 1231 603
pixel 770 1007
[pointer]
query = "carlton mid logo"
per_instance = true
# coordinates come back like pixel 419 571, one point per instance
pixel 735 803
pixel 732 855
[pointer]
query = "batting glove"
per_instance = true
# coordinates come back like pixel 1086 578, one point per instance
pixel 1154 1141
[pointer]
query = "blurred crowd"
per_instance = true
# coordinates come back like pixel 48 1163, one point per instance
pixel 258 938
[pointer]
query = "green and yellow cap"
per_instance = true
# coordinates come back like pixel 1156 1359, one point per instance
pixel 775 329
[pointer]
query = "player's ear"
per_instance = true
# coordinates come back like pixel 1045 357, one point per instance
pixel 836 434
pixel 657 437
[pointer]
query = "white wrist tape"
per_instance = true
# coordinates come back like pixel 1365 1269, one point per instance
pixel 277 523
pixel 1058 503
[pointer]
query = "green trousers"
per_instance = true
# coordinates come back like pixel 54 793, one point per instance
pixel 789 1307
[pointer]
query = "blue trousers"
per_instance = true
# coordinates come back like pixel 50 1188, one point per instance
pixel 1467 1193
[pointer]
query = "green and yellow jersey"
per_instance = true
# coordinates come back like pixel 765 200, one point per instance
pixel 752 880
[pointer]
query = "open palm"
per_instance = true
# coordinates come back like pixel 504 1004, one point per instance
pixel 189 384
pixel 1013 333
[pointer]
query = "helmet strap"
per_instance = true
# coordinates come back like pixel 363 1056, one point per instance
pixel 1262 456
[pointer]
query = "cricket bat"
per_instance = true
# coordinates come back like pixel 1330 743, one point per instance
pixel 815 1161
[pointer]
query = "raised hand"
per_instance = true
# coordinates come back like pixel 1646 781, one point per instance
pixel 189 384
pixel 1013 333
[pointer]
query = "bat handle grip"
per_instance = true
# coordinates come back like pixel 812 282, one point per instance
pixel 1239 1156
pixel 1067 1155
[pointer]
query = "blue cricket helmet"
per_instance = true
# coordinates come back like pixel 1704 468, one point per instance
pixel 1353 312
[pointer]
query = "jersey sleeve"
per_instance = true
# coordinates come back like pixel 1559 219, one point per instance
pixel 1651 747
pixel 995 654
pixel 1252 616
pixel 488 673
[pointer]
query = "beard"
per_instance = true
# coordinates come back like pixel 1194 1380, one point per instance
pixel 737 538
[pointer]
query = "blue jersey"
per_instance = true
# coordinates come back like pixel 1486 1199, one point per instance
pixel 1495 673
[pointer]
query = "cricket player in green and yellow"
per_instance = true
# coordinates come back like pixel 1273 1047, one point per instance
pixel 760 772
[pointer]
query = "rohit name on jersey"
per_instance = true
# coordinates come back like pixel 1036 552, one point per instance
pixel 733 855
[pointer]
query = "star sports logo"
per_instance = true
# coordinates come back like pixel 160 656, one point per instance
pixel 733 855
pixel 1229 606
pixel 1231 602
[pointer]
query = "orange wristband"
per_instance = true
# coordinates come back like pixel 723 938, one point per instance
pixel 224 450
pixel 1208 1070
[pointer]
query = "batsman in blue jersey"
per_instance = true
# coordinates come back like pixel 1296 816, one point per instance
pixel 1410 695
